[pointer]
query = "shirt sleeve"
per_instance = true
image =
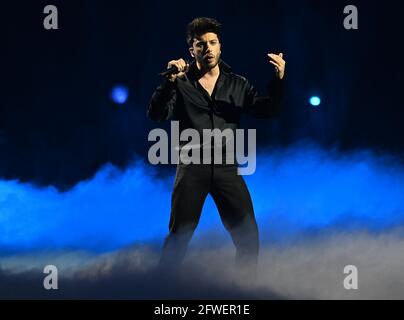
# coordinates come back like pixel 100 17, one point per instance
pixel 163 101
pixel 266 106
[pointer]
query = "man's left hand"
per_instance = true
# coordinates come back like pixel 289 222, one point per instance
pixel 279 63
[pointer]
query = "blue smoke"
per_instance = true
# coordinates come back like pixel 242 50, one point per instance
pixel 296 191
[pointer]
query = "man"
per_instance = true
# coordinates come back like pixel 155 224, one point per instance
pixel 207 95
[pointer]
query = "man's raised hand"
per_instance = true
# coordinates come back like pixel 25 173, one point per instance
pixel 279 63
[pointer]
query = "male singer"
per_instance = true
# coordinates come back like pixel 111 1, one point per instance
pixel 206 94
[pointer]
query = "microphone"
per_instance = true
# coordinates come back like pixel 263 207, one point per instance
pixel 171 70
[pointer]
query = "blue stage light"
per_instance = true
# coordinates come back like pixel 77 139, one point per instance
pixel 119 94
pixel 315 101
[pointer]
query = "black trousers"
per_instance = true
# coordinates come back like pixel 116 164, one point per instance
pixel 192 184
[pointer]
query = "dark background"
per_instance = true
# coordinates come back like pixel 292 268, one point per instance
pixel 58 124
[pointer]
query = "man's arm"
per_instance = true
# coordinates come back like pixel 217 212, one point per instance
pixel 162 103
pixel 269 106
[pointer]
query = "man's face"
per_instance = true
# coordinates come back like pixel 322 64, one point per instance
pixel 206 50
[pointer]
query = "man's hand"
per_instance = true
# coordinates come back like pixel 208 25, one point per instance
pixel 182 68
pixel 279 63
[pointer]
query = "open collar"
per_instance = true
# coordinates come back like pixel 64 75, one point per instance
pixel 225 70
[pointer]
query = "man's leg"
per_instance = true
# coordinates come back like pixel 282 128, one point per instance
pixel 191 187
pixel 234 203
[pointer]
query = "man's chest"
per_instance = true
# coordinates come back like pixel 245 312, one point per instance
pixel 208 84
pixel 201 95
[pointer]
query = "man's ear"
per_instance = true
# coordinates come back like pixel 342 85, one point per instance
pixel 191 51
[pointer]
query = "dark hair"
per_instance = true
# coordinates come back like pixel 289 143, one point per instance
pixel 200 26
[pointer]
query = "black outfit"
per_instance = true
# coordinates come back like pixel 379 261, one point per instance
pixel 188 102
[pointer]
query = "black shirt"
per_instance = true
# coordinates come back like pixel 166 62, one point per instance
pixel 188 102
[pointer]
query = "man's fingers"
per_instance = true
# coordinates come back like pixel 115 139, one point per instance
pixel 171 64
pixel 275 64
pixel 276 57
pixel 273 57
pixel 184 65
pixel 278 62
pixel 181 64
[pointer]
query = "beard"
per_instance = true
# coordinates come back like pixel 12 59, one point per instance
pixel 210 63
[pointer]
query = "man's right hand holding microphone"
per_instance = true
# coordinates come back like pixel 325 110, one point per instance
pixel 182 67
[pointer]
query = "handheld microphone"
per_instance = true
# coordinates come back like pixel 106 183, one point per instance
pixel 171 70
